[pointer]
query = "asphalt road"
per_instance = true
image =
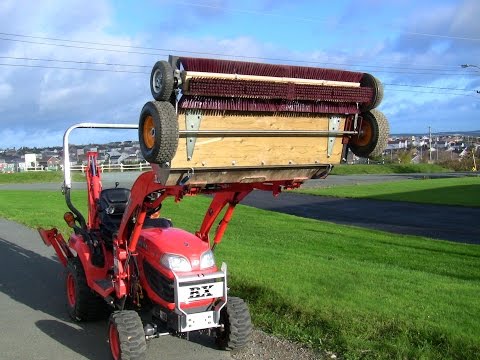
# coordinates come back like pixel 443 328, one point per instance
pixel 35 324
pixel 453 223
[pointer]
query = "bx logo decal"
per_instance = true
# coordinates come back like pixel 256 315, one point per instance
pixel 200 291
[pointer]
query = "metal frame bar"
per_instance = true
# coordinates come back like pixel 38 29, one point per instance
pixel 66 151
pixel 191 133
pixel 263 133
pixel 178 280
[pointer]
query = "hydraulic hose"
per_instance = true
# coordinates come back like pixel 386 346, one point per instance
pixel 77 213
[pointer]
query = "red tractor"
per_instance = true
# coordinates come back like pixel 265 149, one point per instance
pixel 246 127
pixel 152 278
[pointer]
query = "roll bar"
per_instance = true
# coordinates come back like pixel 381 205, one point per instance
pixel 66 152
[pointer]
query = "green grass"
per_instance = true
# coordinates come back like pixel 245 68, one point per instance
pixel 363 294
pixel 31 177
pixel 387 169
pixel 452 191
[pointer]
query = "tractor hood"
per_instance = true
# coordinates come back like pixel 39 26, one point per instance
pixel 156 242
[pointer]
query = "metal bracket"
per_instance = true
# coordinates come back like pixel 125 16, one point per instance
pixel 187 177
pixel 192 122
pixel 333 125
pixel 162 172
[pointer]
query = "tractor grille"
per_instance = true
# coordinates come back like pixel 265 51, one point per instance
pixel 162 286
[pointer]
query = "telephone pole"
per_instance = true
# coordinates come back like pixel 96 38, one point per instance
pixel 430 143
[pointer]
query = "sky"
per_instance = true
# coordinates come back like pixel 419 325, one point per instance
pixel 64 62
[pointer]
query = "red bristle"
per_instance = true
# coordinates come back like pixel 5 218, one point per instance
pixel 270 90
pixel 259 105
pixel 262 69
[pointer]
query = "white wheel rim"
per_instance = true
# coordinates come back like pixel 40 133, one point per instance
pixel 157 81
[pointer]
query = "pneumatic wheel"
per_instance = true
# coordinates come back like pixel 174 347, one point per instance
pixel 82 303
pixel 371 81
pixel 373 135
pixel 162 81
pixel 158 132
pixel 237 325
pixel 126 336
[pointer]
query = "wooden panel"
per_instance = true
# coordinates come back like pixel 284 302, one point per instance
pixel 258 151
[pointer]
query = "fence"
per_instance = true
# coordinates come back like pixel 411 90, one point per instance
pixel 115 167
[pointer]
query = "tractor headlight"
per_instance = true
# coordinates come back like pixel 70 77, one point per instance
pixel 176 262
pixel 207 260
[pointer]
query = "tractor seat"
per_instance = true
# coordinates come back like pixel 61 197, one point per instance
pixel 157 223
pixel 111 206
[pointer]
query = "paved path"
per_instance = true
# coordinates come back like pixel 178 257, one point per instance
pixel 35 324
pixel 452 223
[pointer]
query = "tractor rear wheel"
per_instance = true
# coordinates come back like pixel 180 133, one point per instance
pixel 126 336
pixel 371 81
pixel 82 303
pixel 162 81
pixel 158 132
pixel 373 135
pixel 237 325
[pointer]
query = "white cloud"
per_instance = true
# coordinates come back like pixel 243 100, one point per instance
pixel 5 91
pixel 37 105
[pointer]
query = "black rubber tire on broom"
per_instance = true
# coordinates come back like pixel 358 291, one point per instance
pixel 373 137
pixel 158 132
pixel 371 81
pixel 162 81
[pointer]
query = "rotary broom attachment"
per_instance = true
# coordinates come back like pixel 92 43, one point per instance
pixel 211 84
pixel 245 121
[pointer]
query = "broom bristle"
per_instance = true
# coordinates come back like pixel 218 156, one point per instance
pixel 265 105
pixel 262 69
pixel 271 90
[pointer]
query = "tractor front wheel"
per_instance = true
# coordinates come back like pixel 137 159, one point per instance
pixel 237 325
pixel 126 336
pixel 82 303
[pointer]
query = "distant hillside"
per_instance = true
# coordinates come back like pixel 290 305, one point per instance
pixel 444 133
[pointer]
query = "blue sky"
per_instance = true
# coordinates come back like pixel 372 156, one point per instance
pixel 415 48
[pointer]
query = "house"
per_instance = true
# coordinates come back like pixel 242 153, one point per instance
pixel 54 161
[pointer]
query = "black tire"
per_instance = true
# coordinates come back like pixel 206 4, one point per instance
pixel 126 336
pixel 373 137
pixel 162 81
pixel 158 132
pixel 371 81
pixel 82 303
pixel 237 325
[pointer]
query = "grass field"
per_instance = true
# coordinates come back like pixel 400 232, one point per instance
pixel 36 177
pixel 363 294
pixel 354 169
pixel 453 191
